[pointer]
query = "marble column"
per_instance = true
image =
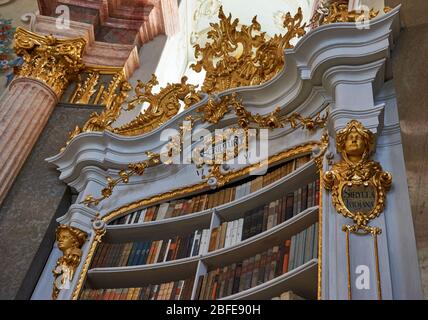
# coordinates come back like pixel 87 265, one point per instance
pixel 24 111
pixel 25 107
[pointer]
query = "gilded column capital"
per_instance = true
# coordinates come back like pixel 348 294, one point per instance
pixel 48 59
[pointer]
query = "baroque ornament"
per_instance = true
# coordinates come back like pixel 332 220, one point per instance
pixel 48 59
pixel 214 111
pixel 358 184
pixel 161 106
pixel 113 106
pixel 333 11
pixel 237 56
pixel 242 57
pixel 70 241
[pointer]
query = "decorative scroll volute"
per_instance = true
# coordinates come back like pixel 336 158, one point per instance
pixel 358 177
pixel 70 241
pixel 162 106
pixel 243 56
pixel 48 59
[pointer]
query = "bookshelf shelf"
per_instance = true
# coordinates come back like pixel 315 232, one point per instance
pixel 301 280
pixel 148 230
pixel 199 220
pixel 134 276
pixel 237 208
pixel 118 277
pixel 263 240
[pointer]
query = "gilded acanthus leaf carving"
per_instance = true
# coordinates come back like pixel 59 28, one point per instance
pixel 85 90
pixel 48 59
pixel 162 106
pixel 103 120
pixel 238 56
pixel 213 111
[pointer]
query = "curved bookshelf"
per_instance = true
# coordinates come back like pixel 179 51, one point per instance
pixel 267 217
pixel 228 211
pixel 131 276
pixel 294 180
pixel 301 280
pixel 117 277
pixel 172 226
pixel 263 240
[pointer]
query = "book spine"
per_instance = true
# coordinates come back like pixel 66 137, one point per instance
pixel 240 230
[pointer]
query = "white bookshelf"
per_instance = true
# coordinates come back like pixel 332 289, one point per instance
pixel 302 280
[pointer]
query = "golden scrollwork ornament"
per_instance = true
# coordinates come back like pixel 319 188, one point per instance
pixel 240 55
pixel 358 184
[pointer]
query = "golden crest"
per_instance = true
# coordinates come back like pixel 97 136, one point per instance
pixel 237 56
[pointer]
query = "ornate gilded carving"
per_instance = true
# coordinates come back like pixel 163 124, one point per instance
pixel 48 59
pixel 243 56
pixel 318 157
pixel 70 241
pixel 274 120
pixel 99 226
pixel 104 120
pixel 109 95
pixel 214 111
pixel 237 56
pixel 333 11
pixel 112 110
pixel 161 106
pixel 357 175
pixel 85 90
pixel 124 175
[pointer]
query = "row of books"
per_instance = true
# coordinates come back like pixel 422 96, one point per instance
pixel 174 290
pixel 265 217
pixel 210 200
pixel 262 267
pixel 227 234
pixel 148 252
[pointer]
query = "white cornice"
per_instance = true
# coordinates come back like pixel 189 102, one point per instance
pixel 325 48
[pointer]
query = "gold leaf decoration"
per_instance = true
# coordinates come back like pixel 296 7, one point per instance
pixel 85 90
pixel 238 56
pixel 214 111
pixel 161 106
pixel 338 11
pixel 70 241
pixel 355 143
pixel 48 59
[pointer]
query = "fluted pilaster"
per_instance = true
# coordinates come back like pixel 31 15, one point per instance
pixel 49 65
